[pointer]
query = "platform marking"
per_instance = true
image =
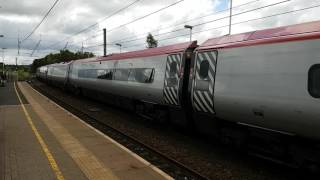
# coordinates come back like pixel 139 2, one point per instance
pixel 87 162
pixel 44 146
pixel 162 173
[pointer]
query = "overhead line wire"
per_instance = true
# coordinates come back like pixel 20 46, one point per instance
pixel 177 24
pixel 103 19
pixel 218 19
pixel 161 9
pixel 137 19
pixel 241 22
pixel 38 25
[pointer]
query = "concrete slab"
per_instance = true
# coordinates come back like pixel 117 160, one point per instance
pixel 98 156
pixel 21 156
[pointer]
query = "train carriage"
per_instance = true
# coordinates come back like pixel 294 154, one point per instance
pixel 146 78
pixel 261 86
pixel 57 74
pixel 267 79
pixel 41 73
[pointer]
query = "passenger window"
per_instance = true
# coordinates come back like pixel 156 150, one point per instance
pixel 91 73
pixel 105 74
pixel 121 74
pixel 314 81
pixel 142 75
pixel 87 73
pixel 204 68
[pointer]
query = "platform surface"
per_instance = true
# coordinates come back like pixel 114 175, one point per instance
pixel 41 140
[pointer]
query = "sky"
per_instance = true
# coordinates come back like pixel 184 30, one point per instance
pixel 209 18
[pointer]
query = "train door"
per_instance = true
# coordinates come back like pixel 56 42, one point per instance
pixel 203 81
pixel 172 80
pixel 68 73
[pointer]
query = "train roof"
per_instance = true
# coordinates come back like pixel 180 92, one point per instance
pixel 176 48
pixel 298 32
pixel 60 64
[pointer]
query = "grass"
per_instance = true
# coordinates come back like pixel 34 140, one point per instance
pixel 23 75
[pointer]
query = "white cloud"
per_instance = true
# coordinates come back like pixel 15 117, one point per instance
pixel 69 17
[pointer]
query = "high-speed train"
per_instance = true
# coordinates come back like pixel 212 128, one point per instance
pixel 264 84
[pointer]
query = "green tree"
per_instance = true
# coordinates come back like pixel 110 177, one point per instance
pixel 152 43
pixel 62 56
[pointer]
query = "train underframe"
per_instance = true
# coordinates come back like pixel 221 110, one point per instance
pixel 271 145
pixel 276 146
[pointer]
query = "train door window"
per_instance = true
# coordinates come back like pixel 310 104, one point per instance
pixel 173 69
pixel 173 74
pixel 314 81
pixel 204 68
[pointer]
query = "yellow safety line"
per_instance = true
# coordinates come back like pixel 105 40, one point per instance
pixel 44 146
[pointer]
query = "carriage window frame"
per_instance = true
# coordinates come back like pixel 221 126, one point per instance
pixel 173 69
pixel 146 75
pixel 201 73
pixel 314 81
pixel 121 74
pixel 141 75
pixel 108 74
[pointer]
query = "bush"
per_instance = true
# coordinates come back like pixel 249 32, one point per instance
pixel 23 75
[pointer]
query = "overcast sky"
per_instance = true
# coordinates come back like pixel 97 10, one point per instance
pixel 19 17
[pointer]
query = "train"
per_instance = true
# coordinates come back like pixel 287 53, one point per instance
pixel 261 86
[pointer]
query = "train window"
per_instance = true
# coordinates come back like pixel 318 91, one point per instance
pixel 142 75
pixel 314 81
pixel 204 68
pixel 105 74
pixel 173 69
pixel 81 73
pixel 121 74
pixel 132 75
pixel 109 74
pixel 87 73
pixel 101 72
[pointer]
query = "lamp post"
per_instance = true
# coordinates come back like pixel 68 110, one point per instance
pixel 3 60
pixel 118 44
pixel 230 18
pixel 189 27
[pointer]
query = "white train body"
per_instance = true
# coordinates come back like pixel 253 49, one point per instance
pixel 138 76
pixel 267 86
pixel 267 79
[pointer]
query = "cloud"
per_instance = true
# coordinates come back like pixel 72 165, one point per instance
pixel 18 18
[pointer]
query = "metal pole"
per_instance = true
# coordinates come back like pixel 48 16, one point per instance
pixel 82 48
pixel 3 61
pixel 230 17
pixel 19 46
pixel 189 27
pixel 104 42
pixel 118 44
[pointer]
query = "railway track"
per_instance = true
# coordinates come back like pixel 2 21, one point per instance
pixel 172 167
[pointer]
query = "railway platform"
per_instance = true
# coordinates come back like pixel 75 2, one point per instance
pixel 41 140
